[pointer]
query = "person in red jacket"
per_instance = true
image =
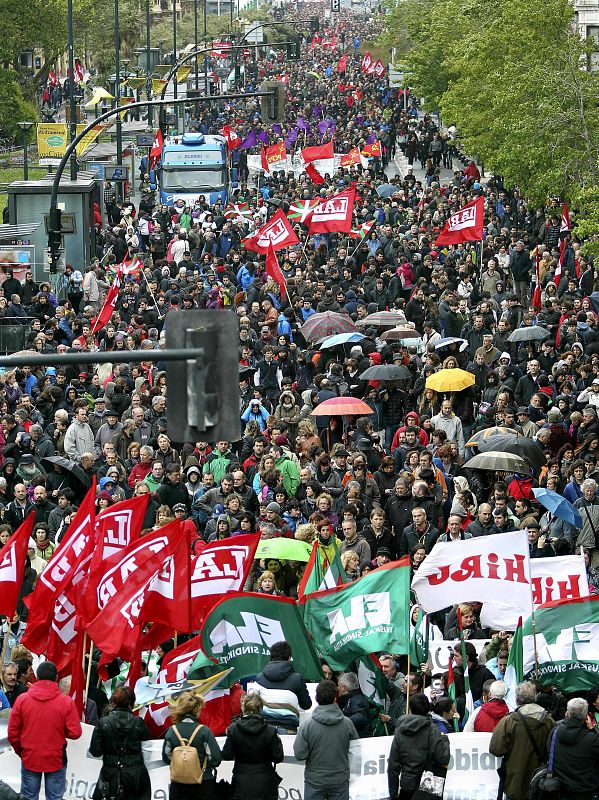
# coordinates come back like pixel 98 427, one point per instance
pixel 486 717
pixel 41 721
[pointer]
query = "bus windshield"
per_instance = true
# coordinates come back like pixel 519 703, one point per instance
pixel 191 179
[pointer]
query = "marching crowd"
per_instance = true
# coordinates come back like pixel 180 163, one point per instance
pixel 370 487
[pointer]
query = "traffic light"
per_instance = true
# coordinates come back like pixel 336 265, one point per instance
pixel 54 238
pixel 294 49
pixel 273 105
pixel 314 25
pixel 203 402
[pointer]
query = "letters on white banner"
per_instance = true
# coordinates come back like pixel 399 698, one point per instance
pixel 472 773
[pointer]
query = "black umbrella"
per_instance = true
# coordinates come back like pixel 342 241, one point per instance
pixel 517 444
pixel 69 466
pixel 498 462
pixel 386 372
pixel 533 333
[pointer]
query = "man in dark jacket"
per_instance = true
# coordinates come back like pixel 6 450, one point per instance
pixel 280 685
pixel 419 532
pixel 354 704
pixel 417 745
pixel 172 491
pixel 576 753
pixel 483 524
pixel 323 743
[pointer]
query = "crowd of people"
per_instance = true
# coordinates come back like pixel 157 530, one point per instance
pixel 371 488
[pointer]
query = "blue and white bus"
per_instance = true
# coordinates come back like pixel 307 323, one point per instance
pixel 192 165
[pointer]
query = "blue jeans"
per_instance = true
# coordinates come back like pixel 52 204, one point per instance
pixel 340 792
pixel 55 784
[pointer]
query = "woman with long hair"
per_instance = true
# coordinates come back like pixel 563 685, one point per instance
pixel 117 739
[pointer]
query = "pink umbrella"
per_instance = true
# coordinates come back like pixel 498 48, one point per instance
pixel 339 406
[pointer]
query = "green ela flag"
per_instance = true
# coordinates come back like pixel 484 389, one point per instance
pixel 469 699
pixel 242 627
pixel 373 685
pixel 567 644
pixel 367 616
pixel 317 579
pixel 419 641
pixel 514 672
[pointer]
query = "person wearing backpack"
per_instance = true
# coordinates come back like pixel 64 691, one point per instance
pixel 255 747
pixel 191 751
pixel 117 739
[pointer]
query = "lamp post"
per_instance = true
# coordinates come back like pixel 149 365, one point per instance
pixel 148 64
pixel 175 59
pixel 205 4
pixel 25 127
pixel 117 88
pixel 72 106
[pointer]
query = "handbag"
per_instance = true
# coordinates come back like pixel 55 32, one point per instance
pixel 543 783
pixel 432 780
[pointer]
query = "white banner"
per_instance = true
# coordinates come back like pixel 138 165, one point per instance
pixel 472 771
pixel 484 568
pixel 558 578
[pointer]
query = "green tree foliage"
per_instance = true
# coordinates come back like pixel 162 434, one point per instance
pixel 13 105
pixel 510 76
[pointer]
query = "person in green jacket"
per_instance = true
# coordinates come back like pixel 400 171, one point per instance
pixel 155 477
pixel 219 462
pixel 288 469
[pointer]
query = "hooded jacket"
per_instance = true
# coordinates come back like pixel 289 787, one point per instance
pixel 489 715
pixel 575 759
pixel 280 685
pixel 323 743
pixel 43 708
pixel 417 744
pixel 255 747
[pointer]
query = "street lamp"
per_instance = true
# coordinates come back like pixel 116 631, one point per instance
pixel 25 127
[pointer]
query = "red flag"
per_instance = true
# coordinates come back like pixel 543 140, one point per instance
pixel 277 231
pixel 318 152
pixel 334 214
pixel 156 149
pixel 274 270
pixel 379 69
pixel 12 566
pixel 108 306
pixel 351 158
pixel 314 174
pixel 536 297
pixel 263 160
pixel 233 140
pixel 366 62
pixel 372 150
pixel 466 225
pixel 275 153
pixel 62 570
pixel 78 676
pixel 342 64
pixel 117 526
pixel 121 589
pixel 565 227
pixel 167 598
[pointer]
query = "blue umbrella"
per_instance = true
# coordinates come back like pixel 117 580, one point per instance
pixel 340 338
pixel 452 340
pixel 558 506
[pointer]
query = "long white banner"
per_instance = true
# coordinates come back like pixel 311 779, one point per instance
pixel 472 770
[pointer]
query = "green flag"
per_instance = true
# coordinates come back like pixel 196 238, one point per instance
pixel 567 644
pixel 314 579
pixel 469 699
pixel 419 641
pixel 367 616
pixel 373 685
pixel 514 672
pixel 242 627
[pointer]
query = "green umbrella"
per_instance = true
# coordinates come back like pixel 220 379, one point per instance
pixel 285 549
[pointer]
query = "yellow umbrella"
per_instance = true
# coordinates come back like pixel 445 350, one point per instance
pixel 97 97
pixel 450 380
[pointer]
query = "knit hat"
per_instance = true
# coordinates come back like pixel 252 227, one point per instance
pixel 274 507
pixel 32 545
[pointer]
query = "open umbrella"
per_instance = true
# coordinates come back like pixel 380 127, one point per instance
pixel 386 190
pixel 532 333
pixel 285 549
pixel 450 380
pixel 486 433
pixel 69 466
pixel 517 444
pixel 338 406
pixel 499 462
pixel 327 323
pixel 386 372
pixel 395 334
pixel 558 506
pixel 452 340
pixel 383 319
pixel 339 339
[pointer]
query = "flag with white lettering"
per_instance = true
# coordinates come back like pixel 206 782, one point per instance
pixel 241 629
pixel 567 644
pixel 277 232
pixel 366 616
pixel 120 592
pixel 221 567
pixel 565 228
pixel 12 566
pixel 63 570
pixel 334 214
pixel 466 225
pixel 493 570
pixel 300 209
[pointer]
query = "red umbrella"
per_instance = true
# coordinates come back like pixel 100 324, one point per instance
pixel 339 406
pixel 327 323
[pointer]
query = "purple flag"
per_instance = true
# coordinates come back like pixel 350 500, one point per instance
pixel 277 128
pixel 302 124
pixel 263 137
pixel 359 119
pixel 251 140
pixel 371 139
pixel 323 126
pixel 317 111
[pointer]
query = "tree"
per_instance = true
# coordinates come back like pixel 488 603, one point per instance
pixel 13 106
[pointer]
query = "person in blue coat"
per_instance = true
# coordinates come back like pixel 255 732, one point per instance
pixel 255 412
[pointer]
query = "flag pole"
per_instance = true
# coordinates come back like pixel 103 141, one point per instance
pixel 152 295
pixel 534 625
pixel 89 669
pixel 408 684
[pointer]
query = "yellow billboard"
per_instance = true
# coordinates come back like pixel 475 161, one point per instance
pixel 52 140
